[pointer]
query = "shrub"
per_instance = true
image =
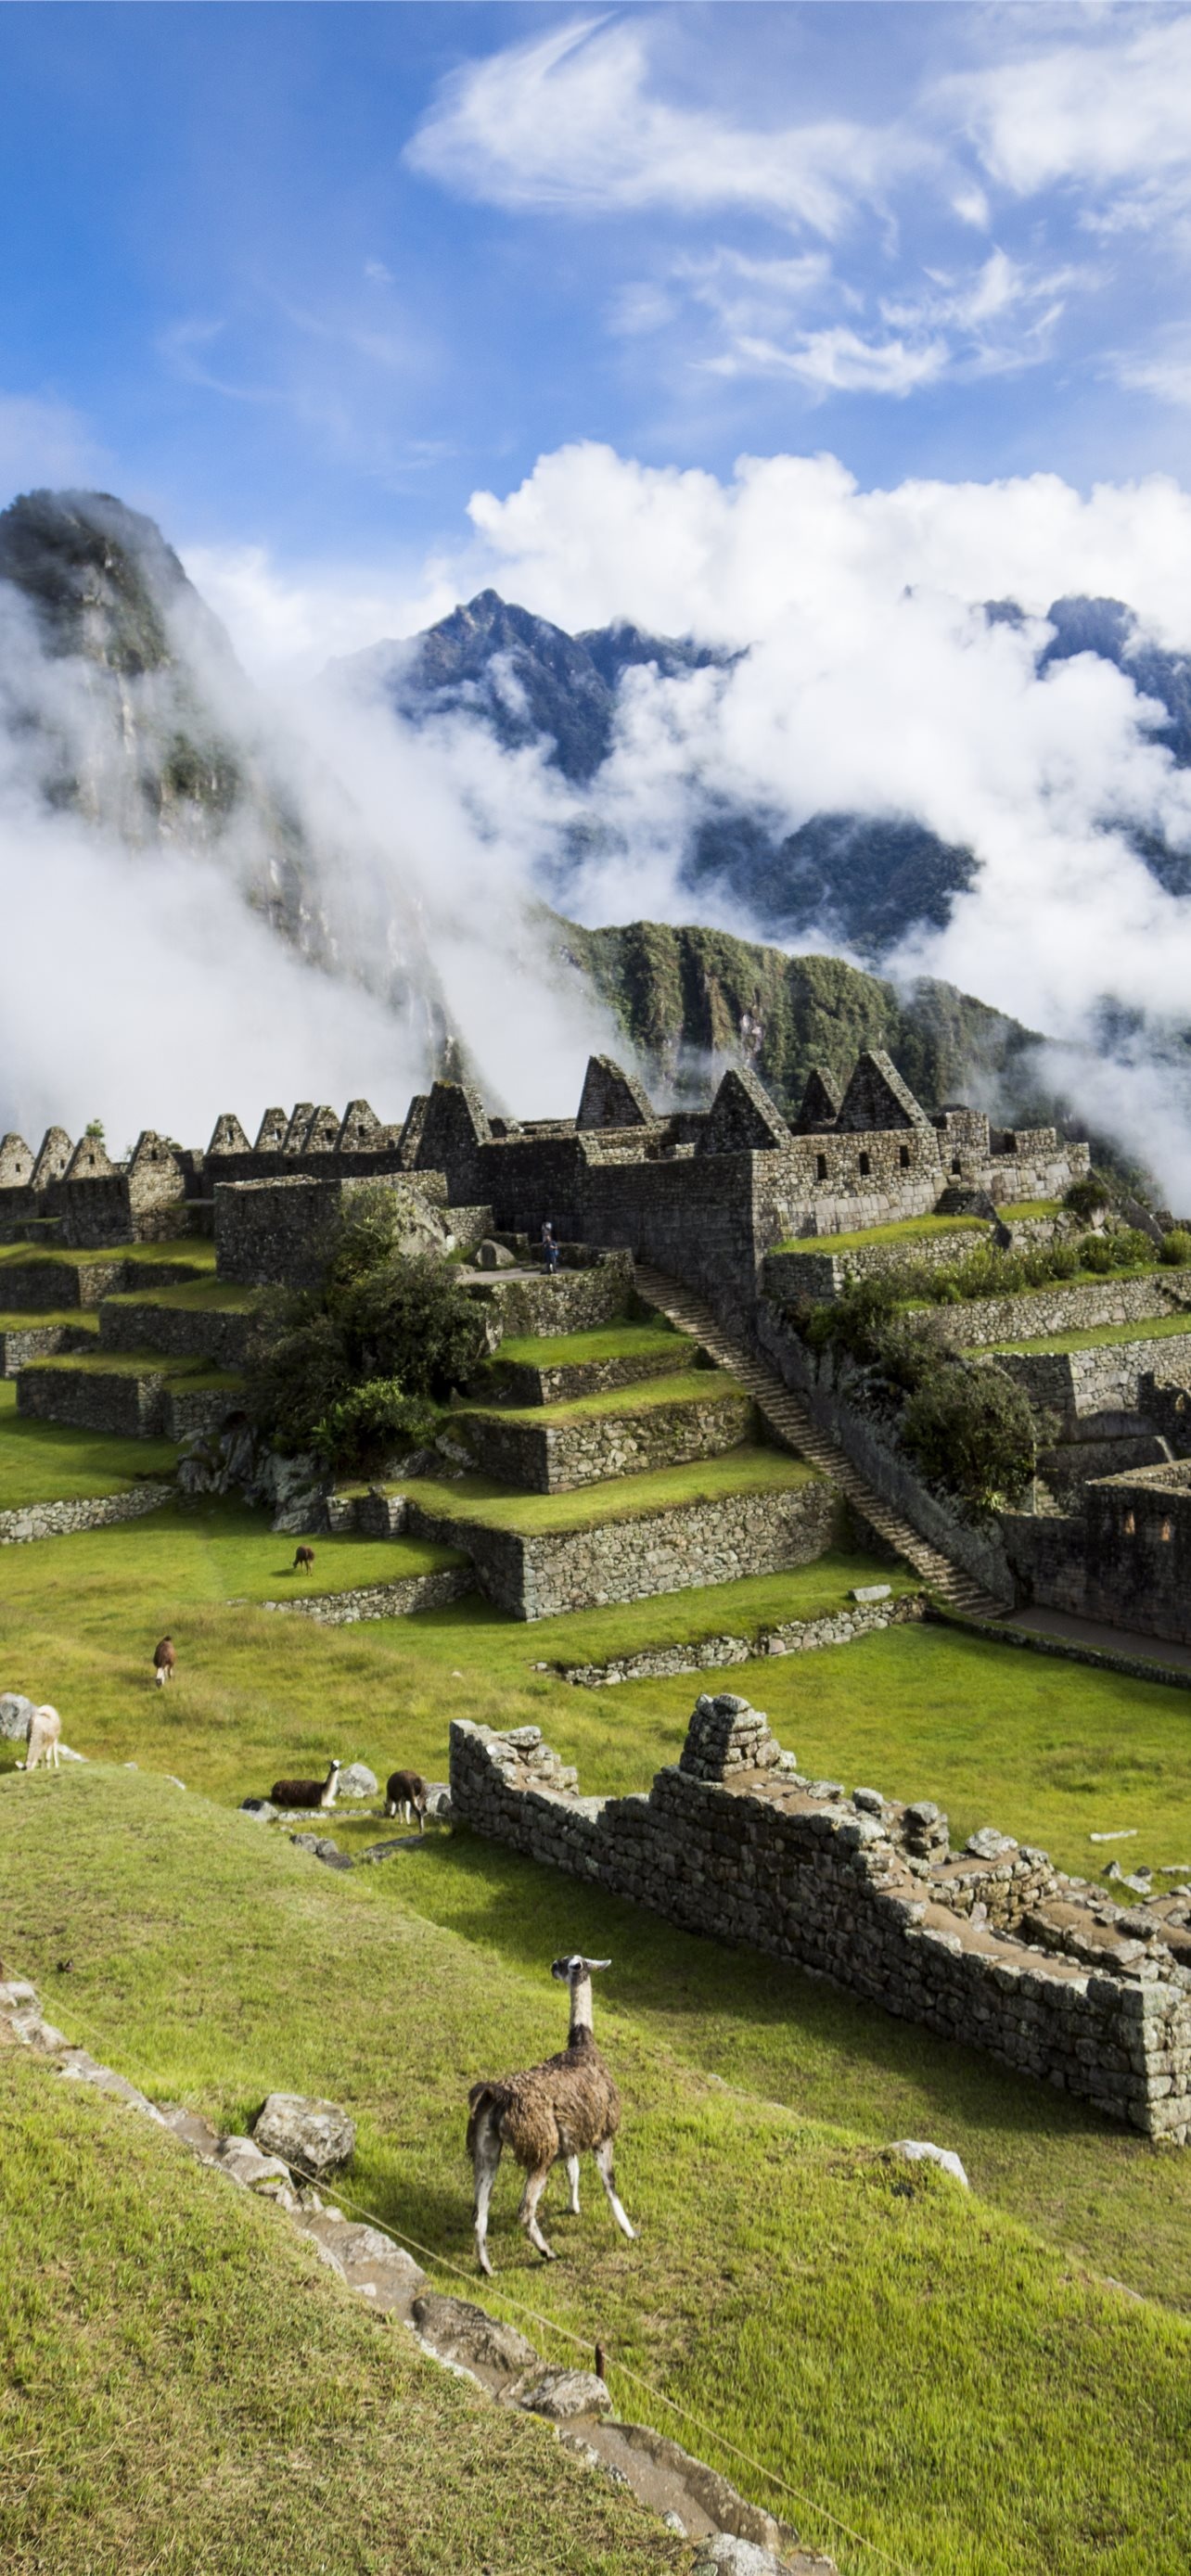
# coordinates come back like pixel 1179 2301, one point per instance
pixel 908 1348
pixel 851 1328
pixel 1131 1247
pixel 1064 1260
pixel 1175 1248
pixel 1095 1254
pixel 361 1430
pixel 970 1431
pixel 1086 1198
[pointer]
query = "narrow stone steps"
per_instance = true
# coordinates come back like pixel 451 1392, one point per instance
pixel 787 1417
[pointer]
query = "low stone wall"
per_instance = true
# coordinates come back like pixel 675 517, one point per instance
pixel 568 1301
pixel 818 1275
pixel 1062 1308
pixel 182 1332
pixel 732 1841
pixel 715 1654
pixel 131 1407
pixel 39 1342
pixel 558 1457
pixel 192 1409
pixel 382 1600
pixel 61 1520
pixel 1105 1379
pixel 33 1287
pixel 539 1575
pixel 515 1382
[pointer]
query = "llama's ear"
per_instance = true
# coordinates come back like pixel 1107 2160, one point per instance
pixel 597 1963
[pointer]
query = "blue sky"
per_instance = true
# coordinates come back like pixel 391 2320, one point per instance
pixel 305 278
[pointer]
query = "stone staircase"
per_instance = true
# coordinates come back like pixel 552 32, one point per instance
pixel 787 1418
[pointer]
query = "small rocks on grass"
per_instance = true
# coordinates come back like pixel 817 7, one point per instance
pixel 1125 1834
pixel 461 2332
pixel 242 2161
pixel 306 2132
pixel 916 2151
pixel 733 2557
pixel 989 1844
pixel 261 1809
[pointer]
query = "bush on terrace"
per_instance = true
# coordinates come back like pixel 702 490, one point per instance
pixel 971 1432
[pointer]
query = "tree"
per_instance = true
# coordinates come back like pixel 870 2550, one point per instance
pixel 970 1430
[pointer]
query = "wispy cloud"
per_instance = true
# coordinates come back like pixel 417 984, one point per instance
pixel 46 441
pixel 573 119
pixel 840 360
pixel 1108 108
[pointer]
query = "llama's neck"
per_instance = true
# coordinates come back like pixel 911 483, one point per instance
pixel 330 1786
pixel 580 2012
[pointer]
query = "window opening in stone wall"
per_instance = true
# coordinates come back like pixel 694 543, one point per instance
pixel 1166 1533
pixel 865 1166
pixel 903 1156
pixel 820 1167
pixel 1130 1525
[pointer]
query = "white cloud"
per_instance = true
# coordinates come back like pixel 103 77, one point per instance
pixel 1166 374
pixel 45 442
pixel 1107 109
pixel 570 119
pixel 839 360
pixel 292 622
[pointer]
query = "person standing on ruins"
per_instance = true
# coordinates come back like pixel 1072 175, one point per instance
pixel 549 1246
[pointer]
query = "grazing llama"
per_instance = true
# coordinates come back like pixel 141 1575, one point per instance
pixel 553 2112
pixel 45 1735
pixel 407 1790
pixel 164 1660
pixel 306 1793
pixel 303 1561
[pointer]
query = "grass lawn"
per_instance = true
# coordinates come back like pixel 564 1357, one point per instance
pixel 746 1470
pixel 724 1609
pixel 192 1296
pixel 1152 1328
pixel 33 1319
pixel 908 1229
pixel 1016 1209
pixel 678 1386
pixel 972 2399
pixel 192 1250
pixel 103 1363
pixel 185 2388
pixel 602 1342
pixel 48 1462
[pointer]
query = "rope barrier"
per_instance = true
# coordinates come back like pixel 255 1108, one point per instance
pixel 444 2263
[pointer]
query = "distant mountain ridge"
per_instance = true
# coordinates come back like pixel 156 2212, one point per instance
pixel 865 880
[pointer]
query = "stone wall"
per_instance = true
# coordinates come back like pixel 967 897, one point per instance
pixel 40 1287
pixel 39 1342
pixel 277 1233
pixel 515 1382
pixel 1106 1379
pixel 715 1654
pixel 128 1405
pixel 382 1600
pixel 571 1301
pixel 558 1457
pixel 734 1842
pixel 1064 1307
pixel 61 1520
pixel 537 1575
pixel 182 1332
pixel 820 1276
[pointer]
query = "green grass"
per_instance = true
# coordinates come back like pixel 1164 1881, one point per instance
pixel 677 1387
pixel 104 1363
pixel 746 1470
pixel 971 2399
pixel 192 1250
pixel 192 1296
pixel 909 1229
pixel 186 2389
pixel 1017 1209
pixel 576 1350
pixel 49 1462
pixel 33 1319
pixel 723 1609
pixel 1094 1336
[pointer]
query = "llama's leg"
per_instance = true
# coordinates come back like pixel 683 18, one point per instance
pixel 603 2157
pixel 535 2186
pixel 54 1753
pixel 486 2156
pixel 573 2179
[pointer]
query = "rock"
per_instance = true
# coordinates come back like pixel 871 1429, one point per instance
pixel 525 1738
pixel 311 2134
pixel 260 1808
pixel 916 2151
pixel 357 1781
pixel 989 1843
pixel 364 2257
pixel 922 1812
pixel 739 2557
pixel 494 1256
pixel 1123 1834
pixel 461 2332
pixel 869 1802
pixel 65 1754
pixel 438 1801
pixel 871 1591
pixel 15 1714
pixel 243 2162
pixel 78 2067
pixel 559 2394
pixel 385 1851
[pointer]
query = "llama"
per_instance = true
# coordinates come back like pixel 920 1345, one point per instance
pixel 306 1793
pixel 551 2113
pixel 164 1660
pixel 45 1734
pixel 407 1790
pixel 303 1561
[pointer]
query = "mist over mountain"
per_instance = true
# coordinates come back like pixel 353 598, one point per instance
pixel 864 880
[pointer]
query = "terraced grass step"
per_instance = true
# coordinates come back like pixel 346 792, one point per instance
pixel 45 1461
pixel 134 1394
pixel 207 1319
pixel 55 1276
pixel 667 1421
pixel 33 1336
pixel 1093 1337
pixel 555 1368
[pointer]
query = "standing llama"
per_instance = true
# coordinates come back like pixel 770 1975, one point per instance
pixel 45 1733
pixel 551 2113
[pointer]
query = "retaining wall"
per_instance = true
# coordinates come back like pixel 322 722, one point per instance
pixel 39 1342
pixel 733 1842
pixel 182 1332
pixel 818 1275
pixel 558 1457
pixel 131 1407
pixel 60 1520
pixel 515 1382
pixel 1105 1379
pixel 713 1654
pixel 570 1301
pixel 1070 1308
pixel 382 1600
pixel 540 1574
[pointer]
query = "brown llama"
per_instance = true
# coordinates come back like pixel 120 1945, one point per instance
pixel 164 1660
pixel 552 2113
pixel 407 1790
pixel 306 1793
pixel 303 1561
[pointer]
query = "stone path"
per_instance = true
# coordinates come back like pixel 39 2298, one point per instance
pixel 789 1421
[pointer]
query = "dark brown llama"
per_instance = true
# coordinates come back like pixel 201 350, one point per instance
pixel 552 2113
pixel 303 1561
pixel 306 1793
pixel 407 1790
pixel 164 1660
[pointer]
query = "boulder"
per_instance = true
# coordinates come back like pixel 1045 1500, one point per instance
pixel 15 1714
pixel 458 2331
pixel 313 2135
pixel 356 1781
pixel 733 2557
pixel 494 1256
pixel 559 2394
pixel 438 1801
pixel 916 2151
